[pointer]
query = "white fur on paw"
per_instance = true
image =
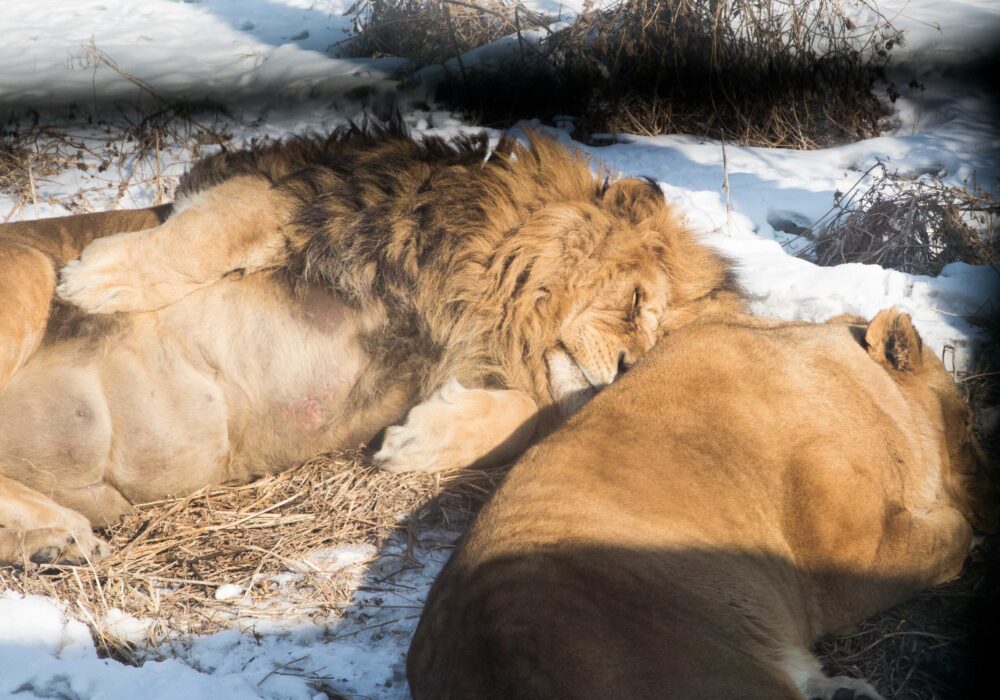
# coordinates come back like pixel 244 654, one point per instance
pixel 100 281
pixel 839 687
pixel 422 443
pixel 404 450
pixel 459 427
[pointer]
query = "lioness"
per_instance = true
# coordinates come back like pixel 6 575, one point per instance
pixel 306 295
pixel 747 487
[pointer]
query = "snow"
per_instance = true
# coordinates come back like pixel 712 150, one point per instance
pixel 180 49
pixel 229 591
pixel 46 653
pixel 38 625
pixel 275 65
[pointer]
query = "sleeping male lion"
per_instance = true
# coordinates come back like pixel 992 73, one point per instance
pixel 748 487
pixel 303 296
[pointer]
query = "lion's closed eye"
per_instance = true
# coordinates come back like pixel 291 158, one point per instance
pixel 636 307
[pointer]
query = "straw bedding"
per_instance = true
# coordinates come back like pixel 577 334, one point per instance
pixel 170 557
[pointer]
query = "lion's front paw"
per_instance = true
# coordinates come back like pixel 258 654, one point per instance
pixel 841 688
pixel 101 280
pixel 50 545
pixel 459 427
pixel 405 448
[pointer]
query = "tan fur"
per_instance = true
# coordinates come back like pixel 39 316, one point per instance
pixel 130 266
pixel 26 288
pixel 39 530
pixel 63 238
pixel 457 426
pixel 304 297
pixel 748 487
pixel 30 254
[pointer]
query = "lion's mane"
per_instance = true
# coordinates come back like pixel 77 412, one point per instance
pixel 442 237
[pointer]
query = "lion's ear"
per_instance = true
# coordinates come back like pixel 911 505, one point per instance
pixel 633 198
pixel 893 341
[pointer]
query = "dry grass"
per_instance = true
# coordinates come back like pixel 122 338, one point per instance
pixel 25 158
pixel 170 557
pixel 794 73
pixel 130 149
pixel 125 148
pixel 913 225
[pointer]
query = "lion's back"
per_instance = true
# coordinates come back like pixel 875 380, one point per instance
pixel 691 497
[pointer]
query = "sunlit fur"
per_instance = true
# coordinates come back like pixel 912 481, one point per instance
pixel 747 488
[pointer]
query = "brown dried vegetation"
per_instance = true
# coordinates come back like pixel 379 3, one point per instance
pixel 795 73
pixel 169 557
pixel 432 31
pixel 916 225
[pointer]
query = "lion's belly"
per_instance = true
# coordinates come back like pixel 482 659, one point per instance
pixel 284 367
pixel 301 413
pixel 234 381
pixel 168 423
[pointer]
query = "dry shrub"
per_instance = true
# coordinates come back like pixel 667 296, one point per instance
pixel 168 558
pixel 25 158
pixel 129 140
pixel 433 31
pixel 761 72
pixel 914 225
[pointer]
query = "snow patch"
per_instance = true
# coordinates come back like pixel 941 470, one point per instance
pixel 229 591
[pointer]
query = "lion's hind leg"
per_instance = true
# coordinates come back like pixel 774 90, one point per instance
pixel 27 280
pixel 459 427
pixel 30 252
pixel 36 528
pixel 234 226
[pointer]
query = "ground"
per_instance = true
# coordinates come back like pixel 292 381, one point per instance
pixel 108 102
